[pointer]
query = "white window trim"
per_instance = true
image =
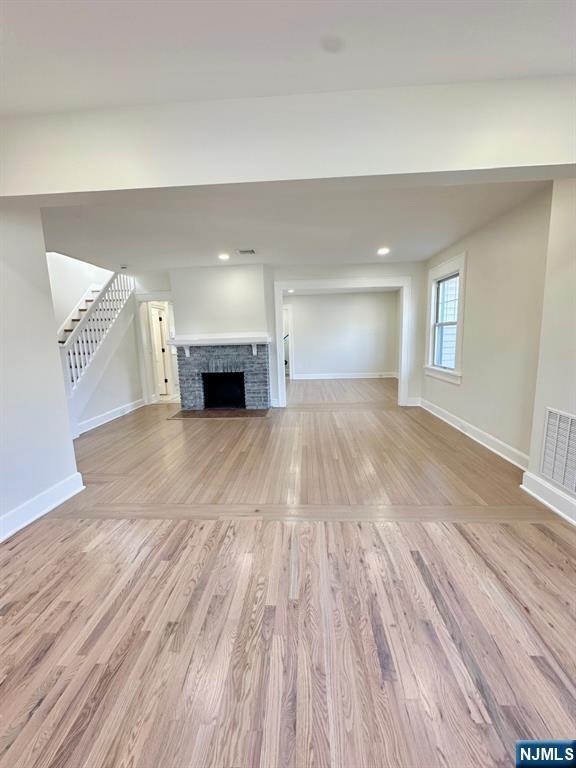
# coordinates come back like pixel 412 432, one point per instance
pixel 456 265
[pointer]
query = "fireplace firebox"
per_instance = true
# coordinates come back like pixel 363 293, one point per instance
pixel 224 390
pixel 248 386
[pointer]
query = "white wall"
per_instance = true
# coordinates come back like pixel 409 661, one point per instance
pixel 505 267
pixel 36 454
pixel 119 389
pixel 344 334
pixel 556 378
pixel 152 286
pixel 219 299
pixel 394 130
pixel 69 281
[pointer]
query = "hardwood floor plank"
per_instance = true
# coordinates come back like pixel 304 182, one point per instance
pixel 343 584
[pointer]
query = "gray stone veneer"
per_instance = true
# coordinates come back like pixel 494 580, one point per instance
pixel 224 359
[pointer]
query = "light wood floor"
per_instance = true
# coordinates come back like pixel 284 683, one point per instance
pixel 341 584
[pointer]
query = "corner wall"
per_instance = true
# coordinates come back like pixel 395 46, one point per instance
pixel 36 453
pixel 505 272
pixel 556 378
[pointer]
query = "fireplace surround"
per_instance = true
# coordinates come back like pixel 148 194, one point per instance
pixel 211 356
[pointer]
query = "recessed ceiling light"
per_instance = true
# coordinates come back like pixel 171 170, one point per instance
pixel 290 290
pixel 383 251
pixel 223 256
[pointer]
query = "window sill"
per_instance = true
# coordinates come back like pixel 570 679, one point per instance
pixel 452 377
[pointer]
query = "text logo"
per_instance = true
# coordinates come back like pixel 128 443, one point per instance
pixel 546 754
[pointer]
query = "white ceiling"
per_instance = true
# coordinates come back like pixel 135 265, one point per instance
pixel 291 222
pixel 78 54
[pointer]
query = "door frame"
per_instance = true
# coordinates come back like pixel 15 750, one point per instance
pixel 329 285
pixel 161 308
pixel 147 375
pixel 288 309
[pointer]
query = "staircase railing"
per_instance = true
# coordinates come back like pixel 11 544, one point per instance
pixel 81 345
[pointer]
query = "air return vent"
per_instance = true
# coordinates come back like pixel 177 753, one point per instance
pixel 246 252
pixel 559 452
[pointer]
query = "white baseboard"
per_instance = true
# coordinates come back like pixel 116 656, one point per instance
pixel 311 376
pixel 411 402
pixel 115 413
pixel 508 452
pixel 21 516
pixel 554 498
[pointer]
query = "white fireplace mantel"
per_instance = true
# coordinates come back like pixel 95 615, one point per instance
pixel 219 339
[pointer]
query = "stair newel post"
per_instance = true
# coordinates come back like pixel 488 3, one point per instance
pixel 65 360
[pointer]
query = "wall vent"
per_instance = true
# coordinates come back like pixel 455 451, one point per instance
pixel 559 451
pixel 246 252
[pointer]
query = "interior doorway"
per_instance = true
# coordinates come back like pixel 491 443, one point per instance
pixel 163 362
pixel 287 338
pixel 336 343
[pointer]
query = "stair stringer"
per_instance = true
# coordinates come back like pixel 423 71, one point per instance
pixel 80 396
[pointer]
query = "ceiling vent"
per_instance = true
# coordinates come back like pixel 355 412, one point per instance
pixel 246 252
pixel 559 454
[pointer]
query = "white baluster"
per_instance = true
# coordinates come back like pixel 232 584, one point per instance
pixel 73 368
pixel 85 350
pixel 70 368
pixel 90 327
pixel 79 360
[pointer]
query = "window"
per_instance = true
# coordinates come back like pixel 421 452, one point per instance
pixel 446 322
pixel 444 343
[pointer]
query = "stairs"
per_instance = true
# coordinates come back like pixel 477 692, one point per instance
pixel 83 334
pixel 76 315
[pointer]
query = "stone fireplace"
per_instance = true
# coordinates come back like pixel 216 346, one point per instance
pixel 200 359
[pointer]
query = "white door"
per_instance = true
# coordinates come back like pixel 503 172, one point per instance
pixel 160 352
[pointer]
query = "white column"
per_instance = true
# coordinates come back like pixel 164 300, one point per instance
pixel 37 462
pixel 556 378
